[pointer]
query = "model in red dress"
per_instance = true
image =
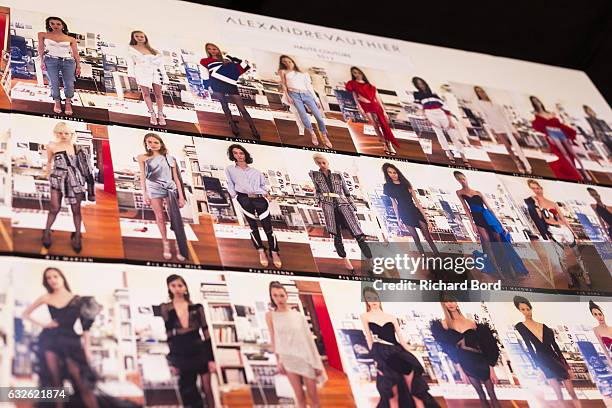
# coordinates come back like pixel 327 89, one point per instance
pixel 370 107
pixel 559 137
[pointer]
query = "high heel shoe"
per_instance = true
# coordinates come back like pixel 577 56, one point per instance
pixel 276 259
pixel 263 259
pixel 179 256
pixel 161 119
pixel 46 238
pixel 166 254
pixel 76 246
pixel 153 119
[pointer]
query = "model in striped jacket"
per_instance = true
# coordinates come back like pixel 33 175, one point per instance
pixel 223 72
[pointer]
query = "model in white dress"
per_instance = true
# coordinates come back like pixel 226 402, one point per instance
pixel 146 65
pixel 499 124
pixel 294 347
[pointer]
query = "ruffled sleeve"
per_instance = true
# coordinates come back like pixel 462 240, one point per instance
pixel 88 310
pixel 444 339
pixel 488 343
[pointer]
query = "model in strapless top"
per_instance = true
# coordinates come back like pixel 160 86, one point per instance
pixel 386 332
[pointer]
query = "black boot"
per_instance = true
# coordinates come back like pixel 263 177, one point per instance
pixel 365 248
pixel 76 244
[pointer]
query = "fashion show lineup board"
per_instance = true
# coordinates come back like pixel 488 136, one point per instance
pixel 192 202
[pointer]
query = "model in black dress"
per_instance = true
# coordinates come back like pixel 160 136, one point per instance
pixel 406 206
pixel 544 351
pixel 471 346
pixel 61 351
pixel 604 215
pixel 190 354
pixel 398 369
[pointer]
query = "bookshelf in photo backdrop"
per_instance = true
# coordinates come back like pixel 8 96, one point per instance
pixel 220 313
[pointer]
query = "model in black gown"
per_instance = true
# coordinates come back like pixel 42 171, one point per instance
pixel 408 212
pixel 400 372
pixel 190 354
pixel 474 349
pixel 545 352
pixel 60 350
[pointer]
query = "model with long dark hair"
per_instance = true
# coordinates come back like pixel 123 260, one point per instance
pixel 602 331
pixel 59 57
pixel 248 186
pixel 334 198
pixel 224 71
pixel 471 346
pixel 296 353
pixel 398 369
pixel 495 239
pixel 545 353
pixel 62 353
pixel 297 87
pixel 370 106
pixel 406 206
pixel 500 126
pixel 162 188
pixel 146 65
pixel 440 119
pixel 560 138
pixel 70 174
pixel 191 355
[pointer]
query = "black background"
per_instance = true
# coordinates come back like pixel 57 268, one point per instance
pixel 568 33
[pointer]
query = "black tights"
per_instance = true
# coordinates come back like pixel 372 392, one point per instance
pixel 190 395
pixel 225 99
pixel 56 204
pixel 80 385
pixel 488 385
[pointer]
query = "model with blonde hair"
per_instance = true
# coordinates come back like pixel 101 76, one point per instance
pixel 397 368
pixel 472 348
pixel 70 175
pixel 59 57
pixel 334 197
pixel 298 90
pixel 223 72
pixel 296 353
pixel 162 186
pixel 146 65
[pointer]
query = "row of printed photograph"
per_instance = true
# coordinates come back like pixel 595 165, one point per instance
pixel 75 189
pixel 114 74
pixel 141 336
